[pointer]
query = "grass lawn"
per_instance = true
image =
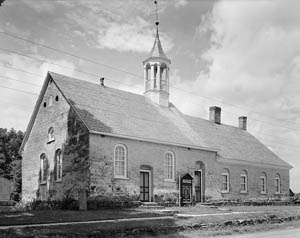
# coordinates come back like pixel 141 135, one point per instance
pixel 54 216
pixel 153 227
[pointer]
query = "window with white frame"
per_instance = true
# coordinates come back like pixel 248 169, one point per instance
pixel 44 168
pixel 58 165
pixel 244 182
pixel 120 161
pixel 277 184
pixel 169 166
pixel 50 134
pixel 263 183
pixel 225 181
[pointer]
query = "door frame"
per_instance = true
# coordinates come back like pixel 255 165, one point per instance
pixel 201 184
pixel 150 183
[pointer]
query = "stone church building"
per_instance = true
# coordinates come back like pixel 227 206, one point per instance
pixel 108 142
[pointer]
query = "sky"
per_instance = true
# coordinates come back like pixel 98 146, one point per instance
pixel 243 56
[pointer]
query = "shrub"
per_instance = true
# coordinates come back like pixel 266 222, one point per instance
pixel 67 203
pixel 114 202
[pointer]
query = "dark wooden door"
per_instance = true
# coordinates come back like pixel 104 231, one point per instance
pixel 144 186
pixel 198 186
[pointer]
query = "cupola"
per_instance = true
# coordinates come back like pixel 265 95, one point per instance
pixel 156 73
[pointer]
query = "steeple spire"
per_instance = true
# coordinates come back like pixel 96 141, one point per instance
pixel 156 71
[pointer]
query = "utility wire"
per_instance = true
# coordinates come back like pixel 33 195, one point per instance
pixel 124 71
pixel 268 123
pixel 95 62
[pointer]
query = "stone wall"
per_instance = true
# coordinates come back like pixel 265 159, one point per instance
pixel 5 189
pixel 102 181
pixel 143 154
pixel 70 136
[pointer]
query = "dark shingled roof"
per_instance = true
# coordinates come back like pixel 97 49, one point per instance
pixel 109 110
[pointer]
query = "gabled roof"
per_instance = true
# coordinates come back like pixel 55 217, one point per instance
pixel 114 112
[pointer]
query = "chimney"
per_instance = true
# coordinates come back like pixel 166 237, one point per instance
pixel 243 123
pixel 215 114
pixel 102 81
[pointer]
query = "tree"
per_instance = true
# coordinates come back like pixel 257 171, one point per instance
pixel 10 160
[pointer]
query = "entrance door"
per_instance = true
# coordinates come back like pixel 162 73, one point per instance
pixel 198 185
pixel 145 186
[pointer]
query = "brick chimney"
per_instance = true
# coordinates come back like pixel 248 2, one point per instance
pixel 215 114
pixel 243 123
pixel 102 81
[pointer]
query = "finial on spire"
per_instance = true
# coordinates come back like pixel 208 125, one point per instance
pixel 156 13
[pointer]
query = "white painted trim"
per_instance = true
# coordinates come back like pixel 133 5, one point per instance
pixel 153 141
pixel 246 183
pixel 228 183
pixel 201 172
pixel 254 164
pixel 265 184
pixel 173 167
pixel 277 177
pixel 125 162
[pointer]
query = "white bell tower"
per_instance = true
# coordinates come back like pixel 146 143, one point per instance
pixel 156 72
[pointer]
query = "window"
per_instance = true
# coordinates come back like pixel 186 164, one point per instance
pixel 44 168
pixel 244 182
pixel 169 166
pixel 58 165
pixel 120 161
pixel 263 183
pixel 50 134
pixel 277 184
pixel 45 104
pixel 50 101
pixel 56 98
pixel 225 181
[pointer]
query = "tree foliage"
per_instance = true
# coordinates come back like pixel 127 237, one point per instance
pixel 10 160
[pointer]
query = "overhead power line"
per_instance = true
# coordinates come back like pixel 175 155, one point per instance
pixel 264 122
pixel 124 71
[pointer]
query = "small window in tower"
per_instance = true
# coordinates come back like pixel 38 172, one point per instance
pixel 56 98
pixel 50 101
pixel 45 104
pixel 50 134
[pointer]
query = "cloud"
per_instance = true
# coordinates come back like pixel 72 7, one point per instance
pixel 19 105
pixel 180 3
pixel 254 62
pixel 136 35
pixel 116 25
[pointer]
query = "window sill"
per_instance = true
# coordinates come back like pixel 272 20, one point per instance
pixel 263 193
pixel 43 183
pixel 244 192
pixel 277 193
pixel 50 141
pixel 224 191
pixel 57 181
pixel 124 178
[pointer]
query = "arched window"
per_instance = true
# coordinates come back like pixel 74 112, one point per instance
pixel 44 168
pixel 120 161
pixel 244 182
pixel 263 183
pixel 169 162
pixel 225 181
pixel 50 134
pixel 277 184
pixel 58 165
